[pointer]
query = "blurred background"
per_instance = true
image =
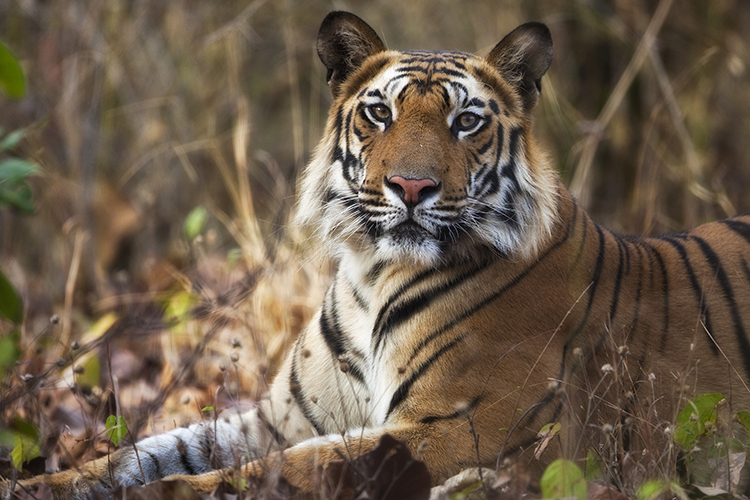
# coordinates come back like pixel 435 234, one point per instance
pixel 170 135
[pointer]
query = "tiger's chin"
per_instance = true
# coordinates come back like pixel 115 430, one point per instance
pixel 409 243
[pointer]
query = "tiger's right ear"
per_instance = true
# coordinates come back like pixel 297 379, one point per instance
pixel 344 42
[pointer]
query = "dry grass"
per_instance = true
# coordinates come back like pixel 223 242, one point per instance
pixel 140 111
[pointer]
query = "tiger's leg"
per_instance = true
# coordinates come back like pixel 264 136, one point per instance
pixel 193 450
pixel 277 422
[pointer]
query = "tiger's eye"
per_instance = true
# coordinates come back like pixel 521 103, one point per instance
pixel 466 121
pixel 380 112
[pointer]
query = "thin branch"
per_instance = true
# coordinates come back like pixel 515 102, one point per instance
pixel 580 183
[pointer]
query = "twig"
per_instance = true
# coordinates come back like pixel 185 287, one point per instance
pixel 579 186
pixel 70 286
pixel 695 181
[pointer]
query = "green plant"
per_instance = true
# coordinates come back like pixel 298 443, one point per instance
pixel 696 419
pixel 23 439
pixel 15 191
pixel 12 80
pixel 14 172
pixel 714 445
pixel 563 478
pixel 117 428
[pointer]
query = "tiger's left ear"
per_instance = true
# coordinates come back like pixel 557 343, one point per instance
pixel 344 42
pixel 522 57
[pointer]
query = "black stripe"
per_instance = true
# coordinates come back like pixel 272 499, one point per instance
pixel 182 450
pixel 456 414
pixel 210 447
pixel 746 269
pixel 489 184
pixel 509 170
pixel 337 126
pixel 330 329
pixel 626 249
pixel 726 288
pixel 361 302
pixel 487 145
pixel 157 466
pixel 476 102
pixel 656 254
pixel 272 429
pixel 593 287
pixel 547 399
pixel 458 86
pixel 403 390
pixel 374 273
pixel 355 371
pixel 331 335
pixel 584 235
pixel 494 107
pixel 446 99
pixel 302 402
pixel 408 308
pixel 697 290
pixel 739 227
pixel 415 280
pixel 529 415
pixel 500 143
pixel 206 446
pixel 618 279
pixel 639 288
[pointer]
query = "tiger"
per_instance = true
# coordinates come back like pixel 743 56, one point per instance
pixel 474 300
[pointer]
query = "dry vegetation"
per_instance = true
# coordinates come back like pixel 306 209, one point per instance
pixel 139 112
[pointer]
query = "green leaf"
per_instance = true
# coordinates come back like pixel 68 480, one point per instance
pixel 466 491
pixel 207 408
pixel 13 170
pixel 20 198
pixel 12 81
pixel 9 351
pixel 593 468
pixel 195 222
pixel 691 422
pixel 14 191
pixel 90 375
pixel 652 489
pixel 563 478
pixel 26 442
pixel 10 303
pixel 178 309
pixel 117 428
pixel 234 255
pixel 744 418
pixel 552 429
pixel 11 140
pixel 238 483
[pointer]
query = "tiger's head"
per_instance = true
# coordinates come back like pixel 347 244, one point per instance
pixel 429 156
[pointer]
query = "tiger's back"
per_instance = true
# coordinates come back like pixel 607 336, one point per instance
pixel 472 292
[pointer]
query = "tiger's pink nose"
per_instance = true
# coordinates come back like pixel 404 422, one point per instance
pixel 411 190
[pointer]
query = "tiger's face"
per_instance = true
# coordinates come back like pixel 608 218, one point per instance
pixel 427 158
